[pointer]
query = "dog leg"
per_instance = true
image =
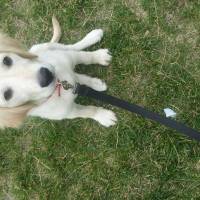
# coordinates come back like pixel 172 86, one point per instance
pixel 100 56
pixel 90 39
pixel 63 107
pixel 94 83
pixel 105 117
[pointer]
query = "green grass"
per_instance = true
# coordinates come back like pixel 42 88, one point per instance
pixel 155 46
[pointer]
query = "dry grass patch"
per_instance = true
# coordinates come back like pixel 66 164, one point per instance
pixel 189 34
pixel 7 185
pixel 136 7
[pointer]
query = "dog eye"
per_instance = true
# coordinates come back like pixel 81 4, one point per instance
pixel 7 61
pixel 8 94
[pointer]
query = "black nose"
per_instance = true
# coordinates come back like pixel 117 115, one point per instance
pixel 45 77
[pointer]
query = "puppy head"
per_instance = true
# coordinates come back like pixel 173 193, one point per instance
pixel 23 79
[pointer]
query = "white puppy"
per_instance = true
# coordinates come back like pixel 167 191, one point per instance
pixel 28 79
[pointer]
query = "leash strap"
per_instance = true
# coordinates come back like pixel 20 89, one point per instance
pixel 85 91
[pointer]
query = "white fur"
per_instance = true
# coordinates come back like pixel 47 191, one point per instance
pixel 30 98
pixel 63 59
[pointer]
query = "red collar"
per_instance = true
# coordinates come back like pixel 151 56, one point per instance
pixel 58 87
pixel 63 85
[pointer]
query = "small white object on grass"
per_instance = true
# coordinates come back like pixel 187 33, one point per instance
pixel 169 112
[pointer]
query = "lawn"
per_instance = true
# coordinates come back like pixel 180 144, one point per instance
pixel 155 46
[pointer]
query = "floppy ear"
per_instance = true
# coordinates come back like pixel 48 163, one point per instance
pixel 13 117
pixel 10 45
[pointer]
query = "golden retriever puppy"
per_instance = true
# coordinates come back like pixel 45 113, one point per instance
pixel 28 79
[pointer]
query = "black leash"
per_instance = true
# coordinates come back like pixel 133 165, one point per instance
pixel 85 91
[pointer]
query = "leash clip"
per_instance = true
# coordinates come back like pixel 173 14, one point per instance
pixel 76 88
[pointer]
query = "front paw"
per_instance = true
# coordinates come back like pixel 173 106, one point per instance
pixel 105 117
pixel 103 57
